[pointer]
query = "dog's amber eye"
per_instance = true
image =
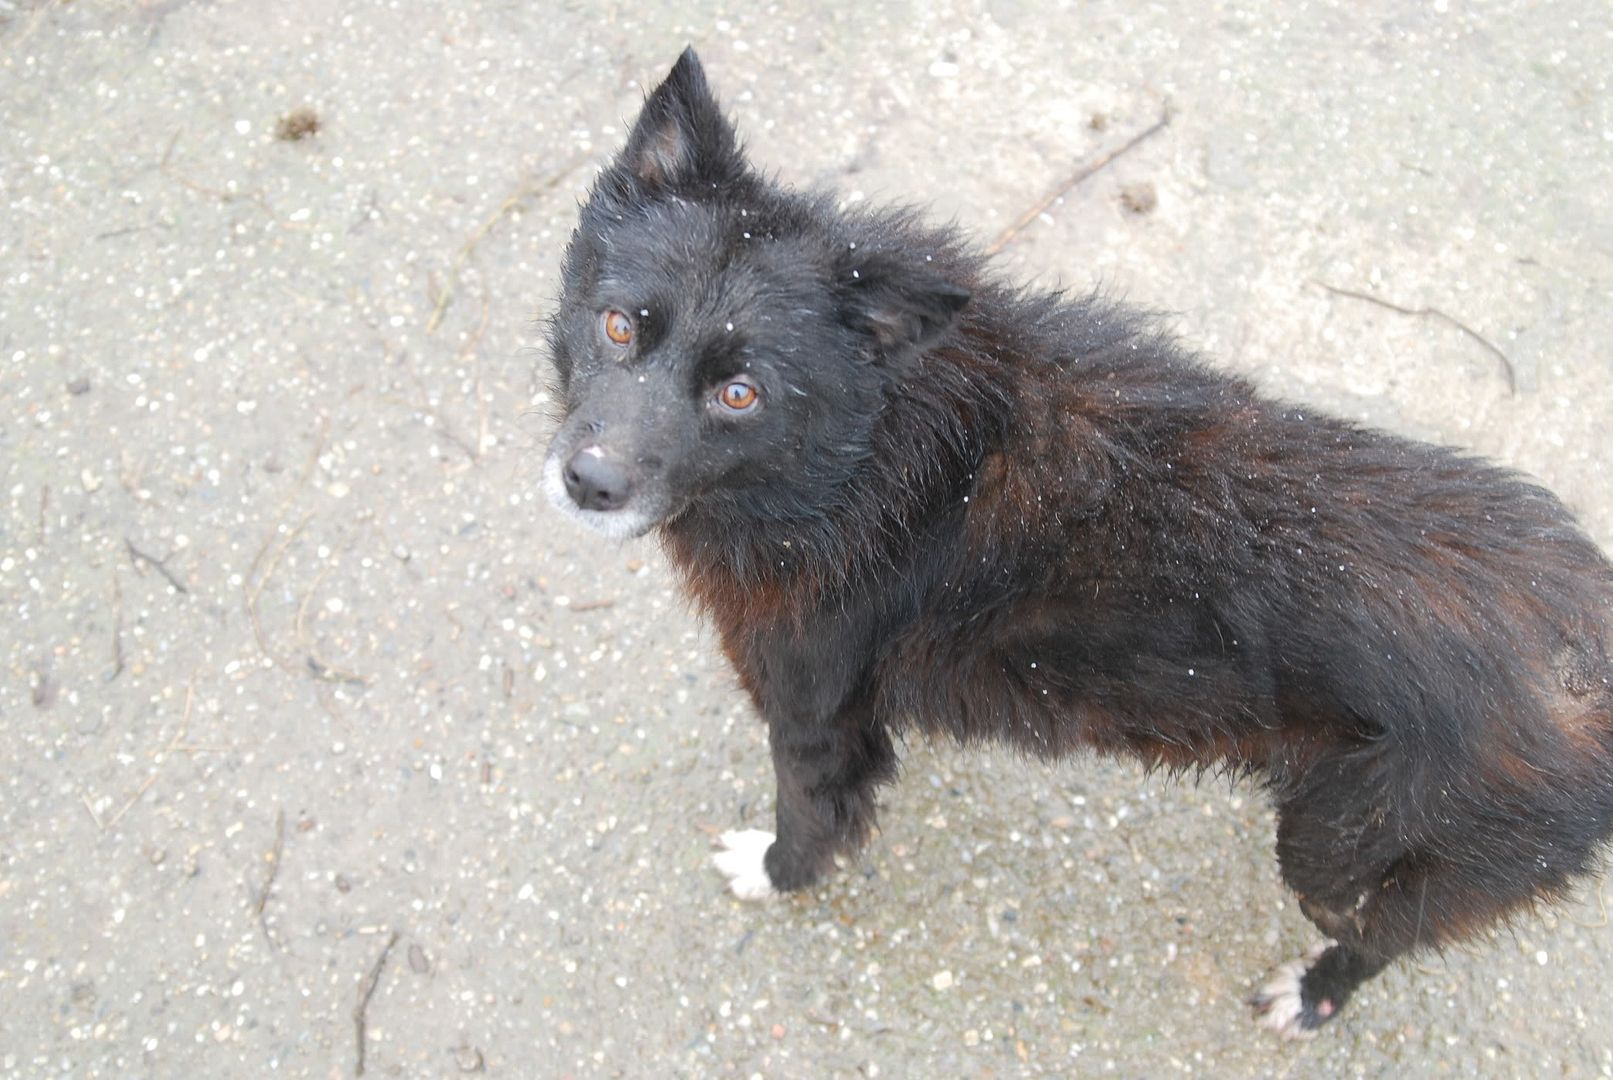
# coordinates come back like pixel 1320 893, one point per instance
pixel 618 327
pixel 738 396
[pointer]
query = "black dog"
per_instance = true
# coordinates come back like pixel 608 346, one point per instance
pixel 911 497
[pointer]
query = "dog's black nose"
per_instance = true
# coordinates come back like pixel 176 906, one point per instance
pixel 597 481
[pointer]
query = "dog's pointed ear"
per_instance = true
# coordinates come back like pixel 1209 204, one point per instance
pixel 903 306
pixel 681 136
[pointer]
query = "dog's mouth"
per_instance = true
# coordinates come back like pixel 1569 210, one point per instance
pixel 637 512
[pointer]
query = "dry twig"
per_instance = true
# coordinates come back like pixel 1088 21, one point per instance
pixel 254 591
pixel 253 583
pixel 274 872
pixel 367 991
pixel 202 189
pixel 136 556
pixel 160 759
pixel 33 24
pixel 1075 178
pixel 317 666
pixel 437 419
pixel 514 201
pixel 117 628
pixel 1432 313
pixel 321 670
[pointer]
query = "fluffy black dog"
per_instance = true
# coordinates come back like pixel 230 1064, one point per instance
pixel 913 497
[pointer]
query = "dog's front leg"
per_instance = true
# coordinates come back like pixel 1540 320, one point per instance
pixel 827 775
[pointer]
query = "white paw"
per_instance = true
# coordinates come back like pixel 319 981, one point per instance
pixel 1278 1004
pixel 740 861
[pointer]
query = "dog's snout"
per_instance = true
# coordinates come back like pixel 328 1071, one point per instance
pixel 597 481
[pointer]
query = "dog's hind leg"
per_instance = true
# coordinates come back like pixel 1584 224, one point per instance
pixel 1377 900
pixel 1333 855
pixel 1419 901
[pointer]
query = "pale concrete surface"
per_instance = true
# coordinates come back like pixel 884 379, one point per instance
pixel 510 743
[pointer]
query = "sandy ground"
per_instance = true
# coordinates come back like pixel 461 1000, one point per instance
pixel 298 665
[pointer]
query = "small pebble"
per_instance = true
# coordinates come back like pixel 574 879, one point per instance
pixel 1139 198
pixel 297 125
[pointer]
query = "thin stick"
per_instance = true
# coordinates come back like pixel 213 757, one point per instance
pixel 161 759
pixel 291 497
pixel 137 557
pixel 131 230
pixel 445 426
pixel 33 24
pixel 117 627
pixel 367 991
pixel 469 247
pixel 321 670
pixel 251 590
pixel 317 666
pixel 254 592
pixel 274 871
pixel 202 189
pixel 1083 173
pixel 1432 313
pixel 307 598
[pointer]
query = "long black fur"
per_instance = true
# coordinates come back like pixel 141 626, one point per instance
pixel 975 510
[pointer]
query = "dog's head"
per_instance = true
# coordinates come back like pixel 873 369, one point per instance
pixel 720 340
